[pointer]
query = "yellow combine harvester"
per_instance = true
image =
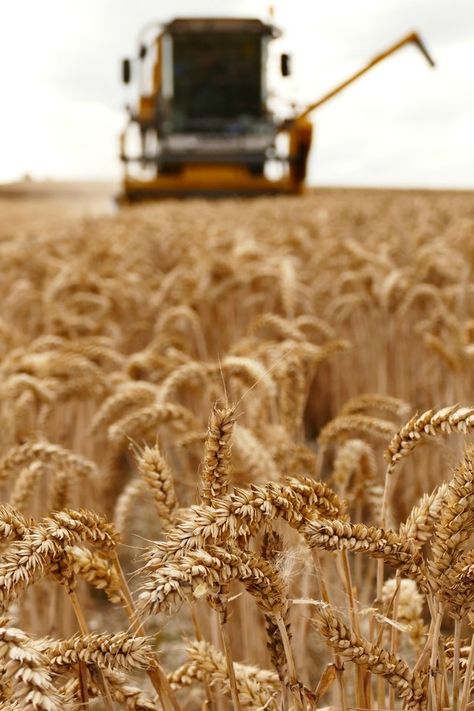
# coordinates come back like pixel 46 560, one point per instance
pixel 204 124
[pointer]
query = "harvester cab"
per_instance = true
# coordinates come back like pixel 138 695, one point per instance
pixel 203 118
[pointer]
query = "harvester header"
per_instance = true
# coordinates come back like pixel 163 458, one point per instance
pixel 203 124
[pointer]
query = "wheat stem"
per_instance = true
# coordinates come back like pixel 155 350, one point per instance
pixel 360 674
pixel 338 663
pixel 293 682
pixel 229 661
pixel 394 631
pixel 83 626
pixel 198 635
pixel 467 679
pixel 456 676
pixel 433 669
pixel 83 687
pixel 157 676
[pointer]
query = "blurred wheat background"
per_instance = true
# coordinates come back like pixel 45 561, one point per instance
pixel 213 494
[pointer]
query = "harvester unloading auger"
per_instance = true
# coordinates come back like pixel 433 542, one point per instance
pixel 204 124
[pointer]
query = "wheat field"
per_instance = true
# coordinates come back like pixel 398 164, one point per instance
pixel 236 457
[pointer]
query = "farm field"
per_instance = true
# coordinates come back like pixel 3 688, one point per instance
pixel 236 454
pixel 29 205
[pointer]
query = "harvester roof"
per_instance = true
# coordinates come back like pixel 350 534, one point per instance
pixel 186 25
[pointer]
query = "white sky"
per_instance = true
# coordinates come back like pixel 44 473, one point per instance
pixel 402 124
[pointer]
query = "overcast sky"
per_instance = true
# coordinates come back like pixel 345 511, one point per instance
pixel 402 124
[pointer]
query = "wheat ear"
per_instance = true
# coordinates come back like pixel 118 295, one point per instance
pixel 216 465
pixel 27 669
pixel 256 687
pixel 407 684
pixel 158 477
pixel 117 651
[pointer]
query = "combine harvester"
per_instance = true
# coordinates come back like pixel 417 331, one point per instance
pixel 204 124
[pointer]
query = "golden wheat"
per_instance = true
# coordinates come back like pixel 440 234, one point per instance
pixel 303 334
